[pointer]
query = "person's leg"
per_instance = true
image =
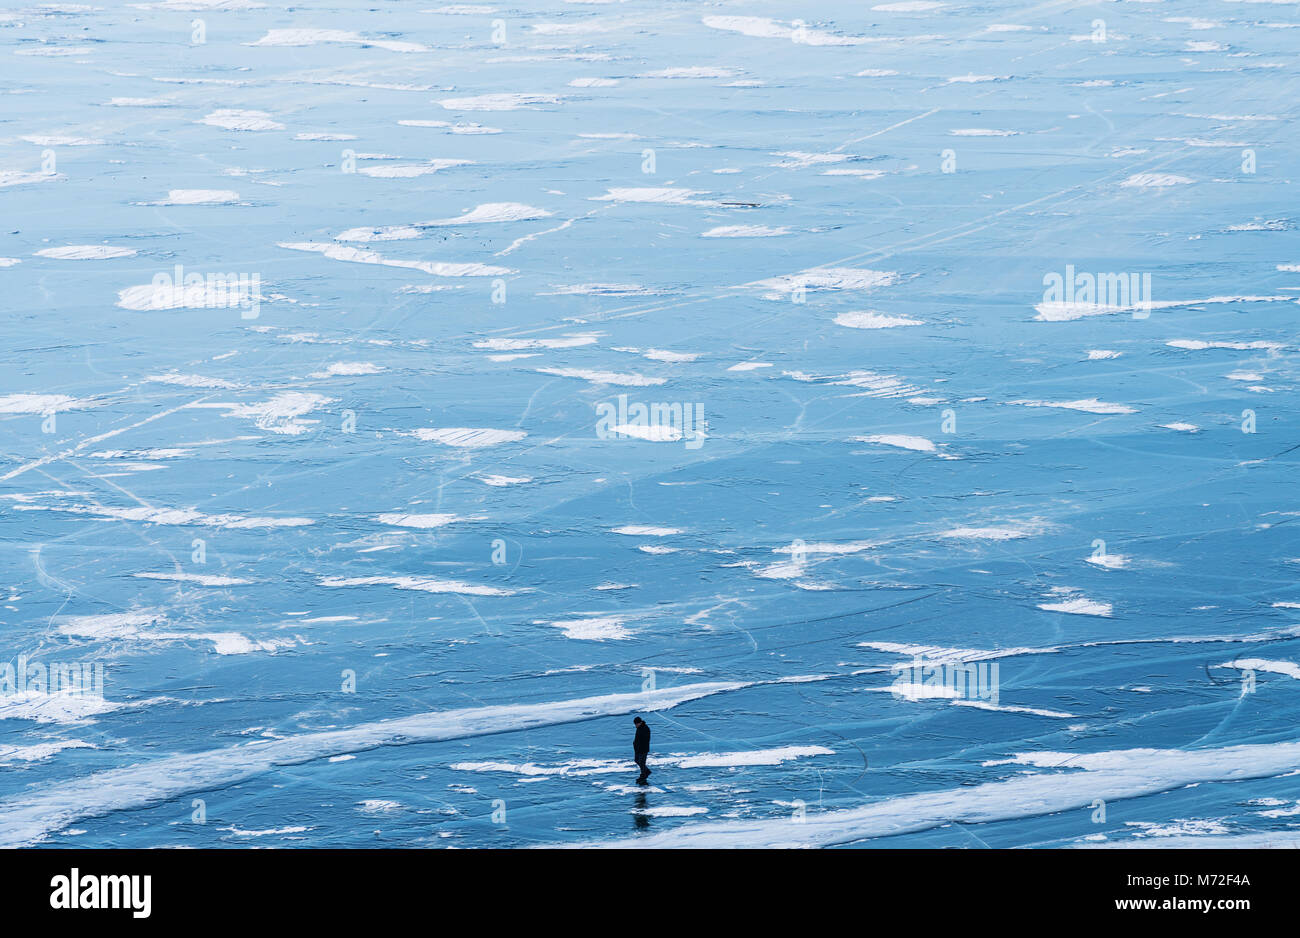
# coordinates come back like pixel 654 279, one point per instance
pixel 640 764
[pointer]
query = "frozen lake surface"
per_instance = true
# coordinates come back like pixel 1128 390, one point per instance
pixel 399 397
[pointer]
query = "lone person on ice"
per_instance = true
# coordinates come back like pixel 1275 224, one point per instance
pixel 641 748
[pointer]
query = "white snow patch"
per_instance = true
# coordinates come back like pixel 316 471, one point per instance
pixel 498 102
pixel 423 584
pixel 467 437
pixel 177 516
pixel 348 369
pixel 85 252
pixel 339 252
pixel 745 231
pixel 500 481
pixel 1154 180
pixel 1089 405
pixel 409 170
pixel 311 37
pixel 762 27
pixel 1197 345
pixel 1079 605
pixel 690 71
pixel 201 579
pixel 42 404
pixel 827 278
pixel 901 440
pixel 594 629
pixel 282 413
pixel 872 320
pixel 200 197
pixel 659 195
pixel 40 751
pixel 603 377
pixel 235 119
pixel 418 521
pixel 1289 668
pixel 572 340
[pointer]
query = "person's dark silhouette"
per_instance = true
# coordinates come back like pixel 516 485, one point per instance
pixel 641 748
